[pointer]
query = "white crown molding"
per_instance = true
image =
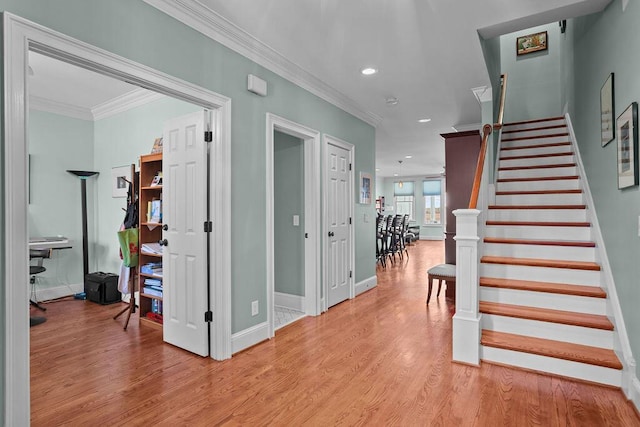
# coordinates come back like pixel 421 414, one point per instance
pixel 211 24
pixel 122 103
pixel 64 109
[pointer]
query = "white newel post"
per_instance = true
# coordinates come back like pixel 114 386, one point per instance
pixel 466 321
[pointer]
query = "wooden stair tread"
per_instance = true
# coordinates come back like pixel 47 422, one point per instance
pixel 512 193
pixel 522 138
pixel 525 122
pixel 535 129
pixel 576 243
pixel 572 318
pixel 541 178
pixel 539 223
pixel 552 288
pixel 559 165
pixel 557 349
pixel 537 156
pixel 537 206
pixel 528 147
pixel 537 262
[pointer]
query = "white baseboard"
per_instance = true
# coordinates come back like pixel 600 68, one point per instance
pixel 431 238
pixel 293 302
pixel 249 337
pixel 634 393
pixel 366 284
pixel 46 294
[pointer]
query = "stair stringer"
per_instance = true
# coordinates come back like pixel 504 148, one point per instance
pixel 630 384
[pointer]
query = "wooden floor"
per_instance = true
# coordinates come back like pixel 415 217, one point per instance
pixel 381 359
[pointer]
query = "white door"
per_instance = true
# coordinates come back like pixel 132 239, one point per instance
pixel 184 260
pixel 338 221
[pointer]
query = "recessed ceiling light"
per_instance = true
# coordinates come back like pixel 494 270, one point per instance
pixel 424 120
pixel 368 71
pixel 377 169
pixel 395 174
pixel 408 157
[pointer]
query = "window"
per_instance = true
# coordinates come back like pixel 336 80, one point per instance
pixel 432 201
pixel 403 198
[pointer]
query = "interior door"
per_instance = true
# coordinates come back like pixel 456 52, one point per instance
pixel 184 260
pixel 338 233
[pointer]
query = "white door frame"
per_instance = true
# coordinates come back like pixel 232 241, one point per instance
pixel 312 251
pixel 21 35
pixel 326 140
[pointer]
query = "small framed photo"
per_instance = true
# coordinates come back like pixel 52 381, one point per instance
pixel 627 129
pixel 607 129
pixel 365 188
pixel 120 179
pixel 531 43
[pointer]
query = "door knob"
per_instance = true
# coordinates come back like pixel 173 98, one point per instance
pixel 165 227
pixel 331 234
pixel 163 242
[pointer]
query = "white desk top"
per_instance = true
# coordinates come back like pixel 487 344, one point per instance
pixel 57 242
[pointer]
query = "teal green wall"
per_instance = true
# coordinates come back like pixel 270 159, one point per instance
pixel 141 33
pixel 534 82
pixel 427 232
pixel 288 200
pixel 119 141
pixel 605 43
pixel 57 144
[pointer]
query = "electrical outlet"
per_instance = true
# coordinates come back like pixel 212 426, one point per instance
pixel 254 308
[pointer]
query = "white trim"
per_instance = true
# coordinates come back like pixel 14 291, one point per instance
pixel 326 140
pixel 366 284
pixel 46 294
pixel 125 102
pixel 312 259
pixel 20 35
pixel 211 24
pixel 621 339
pixel 49 106
pixel 634 393
pixel 293 302
pixel 249 337
pixel 432 237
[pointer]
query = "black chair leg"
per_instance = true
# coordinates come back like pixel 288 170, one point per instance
pixel 37 305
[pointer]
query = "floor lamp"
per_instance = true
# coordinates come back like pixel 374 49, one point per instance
pixel 84 175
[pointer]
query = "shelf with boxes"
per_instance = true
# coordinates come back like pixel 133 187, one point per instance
pixel 150 264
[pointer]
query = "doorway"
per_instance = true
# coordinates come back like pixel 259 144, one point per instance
pixel 21 36
pixel 311 147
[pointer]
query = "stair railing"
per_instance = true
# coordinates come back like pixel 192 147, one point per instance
pixel 469 234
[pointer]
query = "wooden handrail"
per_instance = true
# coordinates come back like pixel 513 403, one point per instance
pixel 503 93
pixel 473 202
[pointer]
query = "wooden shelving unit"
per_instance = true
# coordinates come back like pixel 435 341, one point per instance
pixel 150 232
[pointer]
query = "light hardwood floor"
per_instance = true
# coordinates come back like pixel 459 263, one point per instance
pixel 383 358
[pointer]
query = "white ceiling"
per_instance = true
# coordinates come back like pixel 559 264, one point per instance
pixel 427 52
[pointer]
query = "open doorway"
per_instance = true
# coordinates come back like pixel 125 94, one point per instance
pixel 22 36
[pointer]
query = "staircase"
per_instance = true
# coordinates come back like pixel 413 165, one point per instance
pixel 541 299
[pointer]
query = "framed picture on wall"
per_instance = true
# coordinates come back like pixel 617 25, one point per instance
pixel 120 177
pixel 627 130
pixel 365 188
pixel 607 129
pixel 531 43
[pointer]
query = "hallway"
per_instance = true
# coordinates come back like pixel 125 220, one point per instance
pixel 383 358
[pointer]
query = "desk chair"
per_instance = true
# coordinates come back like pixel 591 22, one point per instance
pixel 40 255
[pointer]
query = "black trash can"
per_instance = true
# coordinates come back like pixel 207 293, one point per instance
pixel 102 288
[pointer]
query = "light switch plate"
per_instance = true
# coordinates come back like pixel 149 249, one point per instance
pixel 296 220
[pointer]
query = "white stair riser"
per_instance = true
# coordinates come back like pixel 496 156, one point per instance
pixel 547 330
pixel 556 184
pixel 557 215
pixel 536 161
pixel 537 172
pixel 509 142
pixel 535 131
pixel 539 232
pixel 540 199
pixel 551 301
pixel 568 253
pixel 566 368
pixel 541 274
pixel 536 151
pixel 533 125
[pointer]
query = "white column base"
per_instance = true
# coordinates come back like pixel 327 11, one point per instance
pixel 466 339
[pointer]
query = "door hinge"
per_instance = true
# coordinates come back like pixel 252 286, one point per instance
pixel 350 273
pixel 349 166
pixel 208 226
pixel 349 220
pixel 208 136
pixel 208 316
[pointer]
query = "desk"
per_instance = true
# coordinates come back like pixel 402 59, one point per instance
pixel 58 242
